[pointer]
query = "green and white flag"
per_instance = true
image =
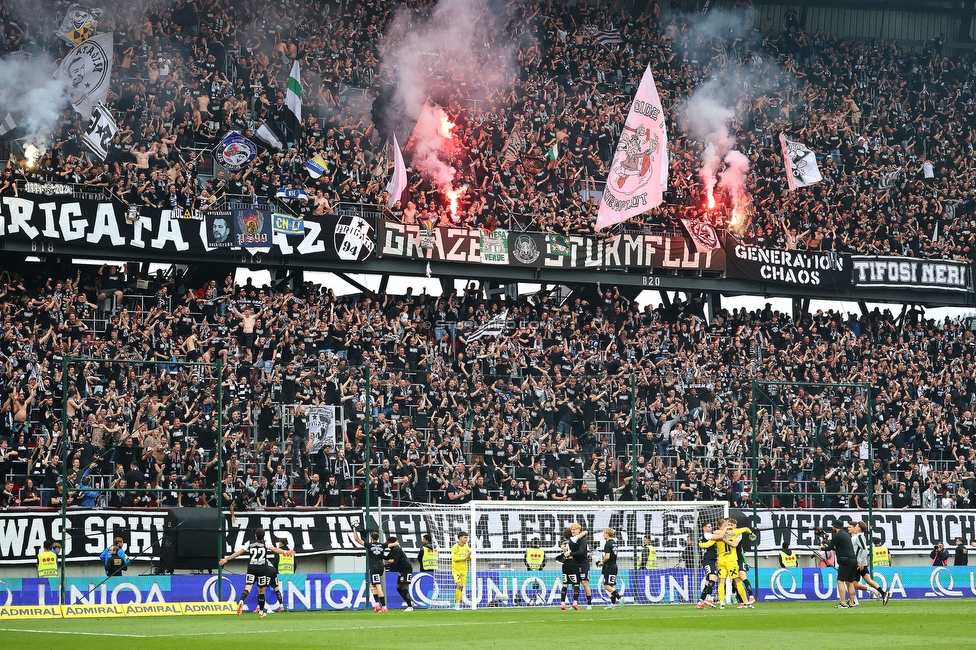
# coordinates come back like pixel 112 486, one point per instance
pixel 293 96
pixel 553 153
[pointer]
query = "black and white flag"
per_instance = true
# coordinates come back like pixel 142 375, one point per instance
pixel 8 126
pixel 494 327
pixel 86 72
pixel 101 131
pixel 604 37
pixel 801 164
pixel 268 135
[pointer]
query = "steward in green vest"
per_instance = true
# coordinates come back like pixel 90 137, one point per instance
pixel 535 557
pixel 428 555
pixel 648 556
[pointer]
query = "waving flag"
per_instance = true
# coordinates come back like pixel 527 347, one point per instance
pixel 702 234
pixel 398 182
pixel 494 327
pixel 316 166
pixel 235 152
pixel 801 164
pixel 86 72
pixel 79 24
pixel 638 173
pixel 268 134
pixel 293 98
pixel 604 37
pixel 101 131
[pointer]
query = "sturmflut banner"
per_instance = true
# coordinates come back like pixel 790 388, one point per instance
pixel 539 250
pixel 911 273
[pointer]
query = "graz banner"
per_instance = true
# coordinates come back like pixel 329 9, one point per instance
pixel 911 273
pixel 540 250
pixel 53 223
pixel 818 269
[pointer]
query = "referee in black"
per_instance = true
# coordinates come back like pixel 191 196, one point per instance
pixel 840 543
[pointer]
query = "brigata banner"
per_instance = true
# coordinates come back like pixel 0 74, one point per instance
pixel 911 273
pixel 539 250
pixel 815 269
pixel 156 595
pixel 113 227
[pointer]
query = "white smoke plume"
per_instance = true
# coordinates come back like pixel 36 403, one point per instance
pixel 34 99
pixel 437 58
pixel 709 113
pixel 706 117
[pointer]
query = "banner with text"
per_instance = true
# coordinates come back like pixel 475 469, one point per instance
pixel 911 273
pixel 316 532
pixel 157 595
pixel 540 250
pixel 814 269
pixel 52 221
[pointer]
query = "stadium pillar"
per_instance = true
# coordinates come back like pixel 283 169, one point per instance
pixel 870 495
pixel 369 452
pixel 755 486
pixel 63 479
pixel 219 487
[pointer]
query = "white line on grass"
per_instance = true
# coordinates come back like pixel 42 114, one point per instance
pixel 128 636
pixel 374 626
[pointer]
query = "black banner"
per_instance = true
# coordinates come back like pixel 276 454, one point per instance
pixel 541 250
pixel 112 226
pixel 318 532
pixel 911 273
pixel 825 270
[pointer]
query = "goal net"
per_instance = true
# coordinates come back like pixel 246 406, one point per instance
pixel 500 533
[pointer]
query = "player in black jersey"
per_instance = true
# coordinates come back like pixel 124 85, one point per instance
pixel 398 561
pixel 573 557
pixel 709 564
pixel 578 548
pixel 259 568
pixel 609 565
pixel 377 553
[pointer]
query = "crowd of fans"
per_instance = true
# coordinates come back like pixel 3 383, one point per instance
pixel 546 410
pixel 891 124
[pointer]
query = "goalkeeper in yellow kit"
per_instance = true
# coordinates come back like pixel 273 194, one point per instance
pixel 728 559
pixel 460 558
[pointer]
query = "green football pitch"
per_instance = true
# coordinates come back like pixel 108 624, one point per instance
pixel 902 624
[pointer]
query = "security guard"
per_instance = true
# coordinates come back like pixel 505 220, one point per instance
pixel 428 555
pixel 787 558
pixel 47 561
pixel 880 556
pixel 535 557
pixel 648 555
pixel 286 563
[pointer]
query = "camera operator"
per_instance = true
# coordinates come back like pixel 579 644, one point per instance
pixel 939 555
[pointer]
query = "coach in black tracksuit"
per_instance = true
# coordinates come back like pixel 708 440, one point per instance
pixel 840 542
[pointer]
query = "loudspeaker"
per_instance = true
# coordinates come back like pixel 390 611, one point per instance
pixel 190 539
